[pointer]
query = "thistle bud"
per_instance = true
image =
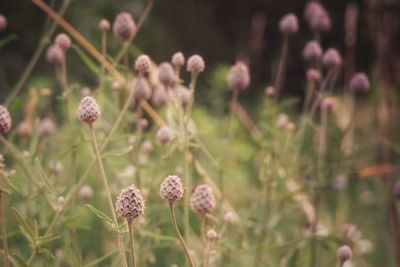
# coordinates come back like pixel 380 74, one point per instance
pixel 143 63
pixel 63 41
pixel 344 254
pixel 320 21
pixel 178 60
pixel 166 74
pixel 104 25
pixel 25 129
pixel 238 78
pixel 164 135
pixel 359 83
pixel 160 97
pixel 88 110
pixel 312 51
pixel 3 23
pixel 130 203
pixel 142 89
pixel 202 200
pixel 124 27
pixel 212 235
pixel 86 192
pixel 185 96
pixel 171 189
pixel 313 75
pixel 195 64
pixel 332 58
pixel 55 54
pixel 5 120
pixel 289 24
pixel 328 104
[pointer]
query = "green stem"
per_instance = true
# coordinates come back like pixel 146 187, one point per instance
pixel 109 197
pixel 282 65
pixel 132 244
pixel 173 218
pixel 3 230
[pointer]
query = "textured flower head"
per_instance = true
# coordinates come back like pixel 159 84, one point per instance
pixel 104 25
pixel 130 203
pixel 124 26
pixel 332 58
pixel 142 89
pixel 320 21
pixel 166 74
pixel 164 135
pixel 55 54
pixel 5 120
pixel 359 83
pixel 171 189
pixel 202 200
pixel 195 64
pixel 344 253
pixel 238 77
pixel 88 110
pixel 289 24
pixel 63 41
pixel 178 60
pixel 312 51
pixel 143 63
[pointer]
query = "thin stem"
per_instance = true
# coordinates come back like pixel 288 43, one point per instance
pixel 207 253
pixel 130 226
pixel 107 188
pixel 3 229
pixel 104 53
pixel 185 248
pixel 282 65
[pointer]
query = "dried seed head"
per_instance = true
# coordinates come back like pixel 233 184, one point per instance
pixel 312 51
pixel 328 104
pixel 344 253
pixel 195 64
pixel 166 74
pixel 212 235
pixel 124 27
pixel 143 63
pixel 359 83
pixel 270 91
pixel 320 21
pixel 142 89
pixel 313 75
pixel 104 25
pixel 202 200
pixel 25 129
pixel 3 23
pixel 238 78
pixel 171 189
pixel 88 110
pixel 165 135
pixel 63 41
pixel 178 60
pixel 55 54
pixel 5 120
pixel 289 24
pixel 130 203
pixel 86 192
pixel 160 97
pixel 228 217
pixel 332 58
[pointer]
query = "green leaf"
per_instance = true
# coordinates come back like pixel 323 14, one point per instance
pixel 46 239
pixel 101 215
pixel 24 224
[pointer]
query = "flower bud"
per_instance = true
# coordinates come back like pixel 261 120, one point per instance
pixel 289 24
pixel 104 25
pixel 130 203
pixel 212 235
pixel 164 135
pixel 359 83
pixel 86 192
pixel 202 200
pixel 88 110
pixel 238 78
pixel 332 58
pixel 124 27
pixel 328 104
pixel 63 41
pixel 5 120
pixel 344 254
pixel 313 75
pixel 195 64
pixel 178 60
pixel 166 74
pixel 55 54
pixel 143 63
pixel 312 51
pixel 3 23
pixel 270 91
pixel 160 97
pixel 171 189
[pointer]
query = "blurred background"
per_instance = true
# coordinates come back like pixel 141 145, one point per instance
pixel 221 31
